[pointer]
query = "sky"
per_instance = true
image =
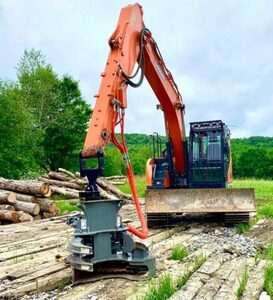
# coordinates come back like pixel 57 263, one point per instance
pixel 219 52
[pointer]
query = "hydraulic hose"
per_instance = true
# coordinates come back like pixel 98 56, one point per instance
pixel 129 170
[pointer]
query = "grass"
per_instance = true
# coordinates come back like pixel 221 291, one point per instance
pixel 266 211
pixel 242 283
pixel 268 252
pixel 243 227
pixel 66 207
pixel 263 194
pixel 268 280
pixel 140 186
pixel 179 252
pixel 166 285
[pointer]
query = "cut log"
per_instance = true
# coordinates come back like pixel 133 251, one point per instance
pixel 46 215
pixel 117 177
pixel 74 201
pixel 106 195
pixel 24 217
pixel 7 207
pixel 117 182
pixel 25 198
pixel 67 184
pixel 9 215
pixel 46 205
pixel 78 174
pixel 58 176
pixel 7 197
pixel 26 187
pixel 106 185
pixel 67 193
pixel 37 217
pixel 64 171
pixel 28 207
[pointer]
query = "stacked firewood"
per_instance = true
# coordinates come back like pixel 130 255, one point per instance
pixel 25 200
pixel 69 185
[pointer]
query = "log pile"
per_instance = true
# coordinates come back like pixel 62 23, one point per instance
pixel 25 200
pixel 69 185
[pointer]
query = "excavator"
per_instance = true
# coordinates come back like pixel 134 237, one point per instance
pixel 189 176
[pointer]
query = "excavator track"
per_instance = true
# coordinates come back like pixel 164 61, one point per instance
pixel 169 220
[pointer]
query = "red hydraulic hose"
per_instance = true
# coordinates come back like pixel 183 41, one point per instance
pixel 129 170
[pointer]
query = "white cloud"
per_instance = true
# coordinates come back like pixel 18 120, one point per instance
pixel 220 54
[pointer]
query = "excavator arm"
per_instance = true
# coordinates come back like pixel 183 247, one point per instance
pixel 133 43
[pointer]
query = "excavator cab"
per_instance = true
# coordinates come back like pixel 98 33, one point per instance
pixel 208 164
pixel 208 154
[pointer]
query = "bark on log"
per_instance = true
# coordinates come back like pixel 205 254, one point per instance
pixel 66 172
pixel 58 176
pixel 7 197
pixel 117 177
pixel 67 184
pixel 7 207
pixel 28 207
pixel 74 201
pixel 9 215
pixel 25 198
pixel 117 182
pixel 46 215
pixel 46 205
pixel 24 217
pixel 106 195
pixel 106 185
pixel 38 217
pixel 68 193
pixel 26 187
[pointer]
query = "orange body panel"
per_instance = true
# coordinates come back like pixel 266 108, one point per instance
pixel 149 172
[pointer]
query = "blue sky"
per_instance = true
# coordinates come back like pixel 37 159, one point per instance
pixel 220 54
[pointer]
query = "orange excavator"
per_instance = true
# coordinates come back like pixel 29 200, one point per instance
pixel 188 176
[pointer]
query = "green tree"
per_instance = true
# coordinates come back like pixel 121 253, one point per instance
pixel 15 127
pixel 60 114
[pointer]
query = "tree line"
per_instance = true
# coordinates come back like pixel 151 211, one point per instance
pixel 43 122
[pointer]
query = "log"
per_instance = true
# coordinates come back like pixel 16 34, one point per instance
pixel 7 197
pixel 37 217
pixel 118 177
pixel 117 182
pixel 68 193
pixel 74 201
pixel 9 215
pixel 26 187
pixel 106 185
pixel 28 207
pixel 67 184
pixel 64 171
pixel 7 207
pixel 46 215
pixel 24 217
pixel 25 198
pixel 58 176
pixel 106 195
pixel 46 205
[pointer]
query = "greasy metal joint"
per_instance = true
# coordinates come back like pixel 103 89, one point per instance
pixel 180 106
